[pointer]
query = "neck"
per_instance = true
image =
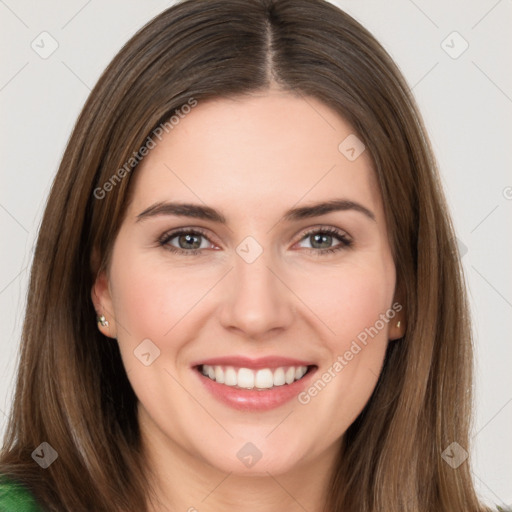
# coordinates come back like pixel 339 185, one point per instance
pixel 183 481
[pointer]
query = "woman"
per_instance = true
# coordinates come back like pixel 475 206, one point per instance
pixel 182 348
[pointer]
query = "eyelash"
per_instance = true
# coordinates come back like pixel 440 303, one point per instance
pixel 164 240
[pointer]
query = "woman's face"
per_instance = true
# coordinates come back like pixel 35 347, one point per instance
pixel 259 274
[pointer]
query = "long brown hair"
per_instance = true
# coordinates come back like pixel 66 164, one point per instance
pixel 72 390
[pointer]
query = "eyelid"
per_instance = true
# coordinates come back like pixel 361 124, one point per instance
pixel 325 228
pixel 172 233
pixel 344 237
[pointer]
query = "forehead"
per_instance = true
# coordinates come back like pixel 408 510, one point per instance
pixel 260 152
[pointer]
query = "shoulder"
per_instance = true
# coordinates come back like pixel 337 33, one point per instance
pixel 16 498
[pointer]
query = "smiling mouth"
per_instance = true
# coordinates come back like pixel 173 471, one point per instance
pixel 261 379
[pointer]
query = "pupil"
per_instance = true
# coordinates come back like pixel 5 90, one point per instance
pixel 189 238
pixel 319 236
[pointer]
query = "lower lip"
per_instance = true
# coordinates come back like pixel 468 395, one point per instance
pixel 253 399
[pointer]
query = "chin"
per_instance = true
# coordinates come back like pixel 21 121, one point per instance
pixel 244 458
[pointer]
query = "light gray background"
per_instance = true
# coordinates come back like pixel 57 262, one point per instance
pixel 466 102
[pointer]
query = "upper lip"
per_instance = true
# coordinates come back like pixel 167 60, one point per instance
pixel 247 362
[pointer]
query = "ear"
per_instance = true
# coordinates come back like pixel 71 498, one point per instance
pixel 398 324
pixel 102 299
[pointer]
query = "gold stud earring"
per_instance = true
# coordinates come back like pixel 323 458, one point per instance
pixel 398 324
pixel 102 320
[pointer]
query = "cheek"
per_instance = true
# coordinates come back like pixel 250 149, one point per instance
pixel 137 296
pixel 362 324
pixel 355 304
pixel 150 298
pixel 156 301
pixel 348 300
pixel 148 303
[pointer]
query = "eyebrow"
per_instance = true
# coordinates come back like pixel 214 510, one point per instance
pixel 198 211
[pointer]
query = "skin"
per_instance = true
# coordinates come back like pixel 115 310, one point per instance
pixel 252 158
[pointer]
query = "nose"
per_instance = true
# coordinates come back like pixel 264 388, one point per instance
pixel 256 299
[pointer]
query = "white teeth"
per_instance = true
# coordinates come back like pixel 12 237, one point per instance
pixel 219 374
pixel 246 378
pixel 264 379
pixel 229 377
pixel 300 371
pixel 279 378
pixel 290 375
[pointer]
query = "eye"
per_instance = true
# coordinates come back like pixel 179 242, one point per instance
pixel 324 237
pixel 188 240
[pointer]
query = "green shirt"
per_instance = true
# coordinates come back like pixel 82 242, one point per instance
pixel 16 498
